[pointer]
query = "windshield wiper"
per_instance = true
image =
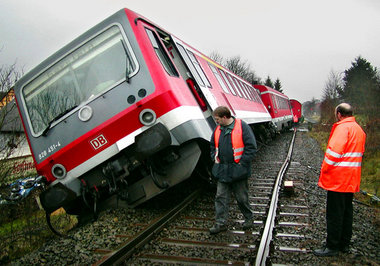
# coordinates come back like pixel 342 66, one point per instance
pixel 48 127
pixel 128 62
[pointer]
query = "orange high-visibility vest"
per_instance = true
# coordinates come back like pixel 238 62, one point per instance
pixel 236 140
pixel 341 167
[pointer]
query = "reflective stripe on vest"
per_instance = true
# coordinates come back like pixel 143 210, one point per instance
pixel 349 159
pixel 236 141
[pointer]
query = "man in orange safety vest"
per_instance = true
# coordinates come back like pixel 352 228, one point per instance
pixel 340 176
pixel 233 146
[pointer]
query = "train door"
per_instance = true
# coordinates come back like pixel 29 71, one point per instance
pixel 195 81
pixel 195 77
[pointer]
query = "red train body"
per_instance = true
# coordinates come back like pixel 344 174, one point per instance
pixel 126 109
pixel 278 106
pixel 297 110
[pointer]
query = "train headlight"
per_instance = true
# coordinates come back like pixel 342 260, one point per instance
pixel 58 171
pixel 147 117
pixel 85 113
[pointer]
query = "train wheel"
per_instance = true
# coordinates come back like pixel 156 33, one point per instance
pixel 60 222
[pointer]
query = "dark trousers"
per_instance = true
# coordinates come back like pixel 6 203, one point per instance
pixel 222 200
pixel 339 219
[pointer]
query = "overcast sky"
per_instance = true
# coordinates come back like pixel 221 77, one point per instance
pixel 297 41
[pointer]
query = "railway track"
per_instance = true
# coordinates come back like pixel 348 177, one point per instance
pixel 181 235
pixel 298 224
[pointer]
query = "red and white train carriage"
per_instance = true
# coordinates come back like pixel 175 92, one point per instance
pixel 278 106
pixel 125 108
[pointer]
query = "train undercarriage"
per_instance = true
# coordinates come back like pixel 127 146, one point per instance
pixel 138 173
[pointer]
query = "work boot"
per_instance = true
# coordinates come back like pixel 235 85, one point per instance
pixel 217 228
pixel 344 249
pixel 325 252
pixel 248 224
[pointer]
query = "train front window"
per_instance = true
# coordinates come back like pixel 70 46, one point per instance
pixel 87 72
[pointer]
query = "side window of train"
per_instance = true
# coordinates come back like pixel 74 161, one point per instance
pixel 273 101
pixel 256 94
pixel 241 88
pixel 247 92
pixel 198 68
pixel 251 92
pixel 227 82
pixel 161 54
pixel 234 85
pixel 277 102
pixel 193 70
pixel 218 77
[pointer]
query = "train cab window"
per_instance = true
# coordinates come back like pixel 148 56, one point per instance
pixel 161 54
pixel 234 85
pixel 218 77
pixel 198 68
pixel 227 82
pixel 81 76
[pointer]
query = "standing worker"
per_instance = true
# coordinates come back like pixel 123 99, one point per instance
pixel 233 146
pixel 340 176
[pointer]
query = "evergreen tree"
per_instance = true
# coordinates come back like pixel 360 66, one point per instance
pixel 362 87
pixel 268 82
pixel 277 85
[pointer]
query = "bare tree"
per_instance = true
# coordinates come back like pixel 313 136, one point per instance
pixel 217 57
pixel 330 98
pixel 8 77
pixel 238 66
pixel 333 86
pixel 10 125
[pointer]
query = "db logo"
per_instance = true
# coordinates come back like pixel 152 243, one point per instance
pixel 98 142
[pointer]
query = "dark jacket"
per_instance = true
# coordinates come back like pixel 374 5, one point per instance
pixel 227 170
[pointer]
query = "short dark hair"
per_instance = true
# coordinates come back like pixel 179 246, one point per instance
pixel 344 109
pixel 222 111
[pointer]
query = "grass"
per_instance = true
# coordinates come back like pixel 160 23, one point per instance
pixel 29 231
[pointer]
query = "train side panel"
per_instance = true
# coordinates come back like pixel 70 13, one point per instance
pixel 278 106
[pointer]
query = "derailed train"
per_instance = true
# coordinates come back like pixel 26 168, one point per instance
pixel 126 108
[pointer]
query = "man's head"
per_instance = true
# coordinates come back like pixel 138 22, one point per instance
pixel 342 111
pixel 222 115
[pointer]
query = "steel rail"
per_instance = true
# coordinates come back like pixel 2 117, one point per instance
pixel 264 247
pixel 127 250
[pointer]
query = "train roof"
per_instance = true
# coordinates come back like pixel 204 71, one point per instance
pixel 294 100
pixel 263 88
pixel 72 45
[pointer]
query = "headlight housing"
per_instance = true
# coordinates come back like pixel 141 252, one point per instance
pixel 147 117
pixel 58 171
